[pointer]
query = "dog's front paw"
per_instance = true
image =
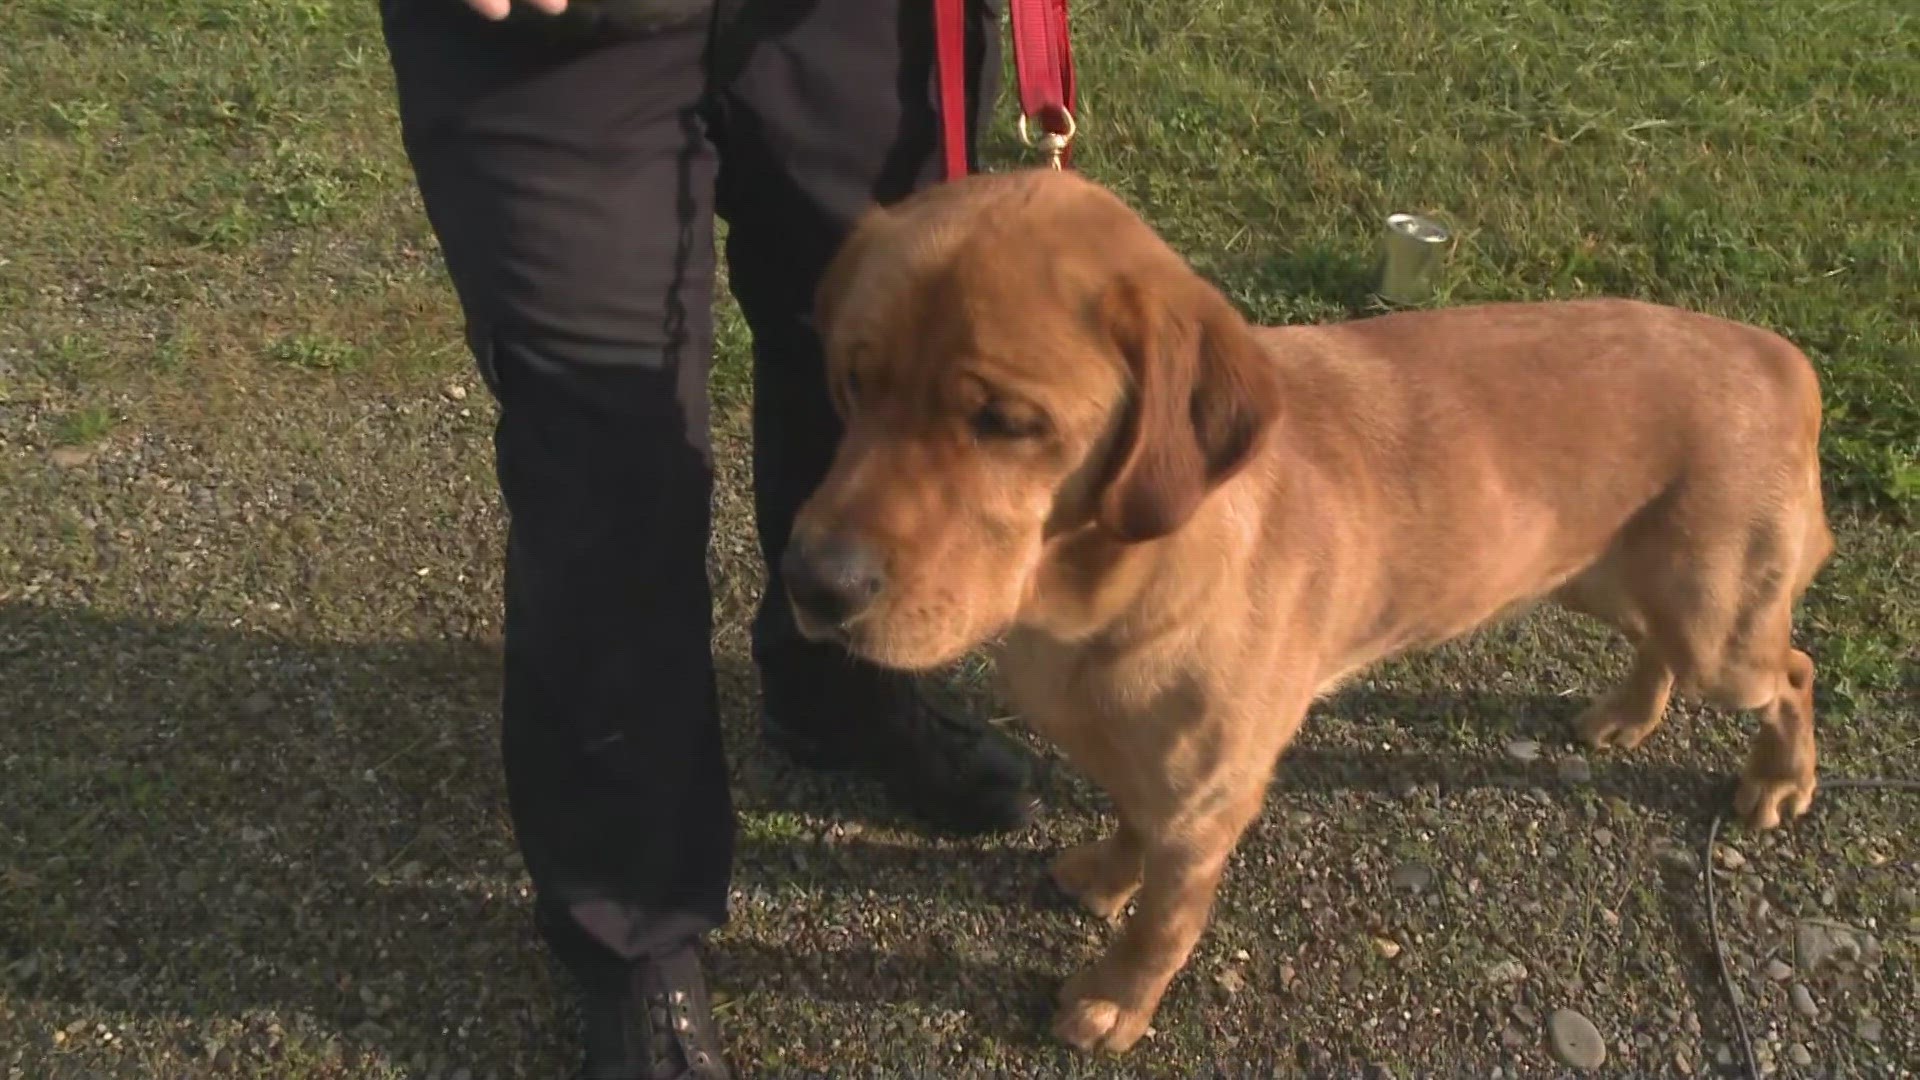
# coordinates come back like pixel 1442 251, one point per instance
pixel 1095 1024
pixel 1764 802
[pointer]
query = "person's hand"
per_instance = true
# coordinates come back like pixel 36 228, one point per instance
pixel 497 9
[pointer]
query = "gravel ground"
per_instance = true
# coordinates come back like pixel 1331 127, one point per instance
pixel 251 823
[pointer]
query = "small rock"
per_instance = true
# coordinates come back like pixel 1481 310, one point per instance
pixel 1575 1041
pixel 1870 1029
pixel 455 392
pixel 1523 750
pixel 1575 770
pixel 1603 836
pixel 1818 944
pixel 1723 1056
pixel 1779 970
pixel 1412 876
pixel 1802 1000
pixel 1513 1038
pixel 1231 981
pixel 1675 857
pixel 1729 857
pixel 1801 1056
pixel 1386 947
pixel 1683 1063
pixel 1506 971
pixel 1828 897
pixel 70 457
pixel 1287 975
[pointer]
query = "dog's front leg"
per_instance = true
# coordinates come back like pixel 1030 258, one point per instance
pixel 1107 1006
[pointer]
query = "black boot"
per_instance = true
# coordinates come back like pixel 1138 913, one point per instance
pixel 956 772
pixel 659 1026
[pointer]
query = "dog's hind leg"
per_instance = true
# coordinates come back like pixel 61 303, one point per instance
pixel 1721 605
pixel 1633 710
pixel 1779 781
pixel 1751 664
pixel 1102 874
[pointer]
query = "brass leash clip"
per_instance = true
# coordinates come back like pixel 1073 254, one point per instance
pixel 1051 143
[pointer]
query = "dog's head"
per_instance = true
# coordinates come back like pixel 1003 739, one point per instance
pixel 1019 361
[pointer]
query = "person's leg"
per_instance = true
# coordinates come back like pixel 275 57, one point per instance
pixel 826 109
pixel 566 170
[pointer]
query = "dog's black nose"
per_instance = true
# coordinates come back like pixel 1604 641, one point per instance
pixel 831 581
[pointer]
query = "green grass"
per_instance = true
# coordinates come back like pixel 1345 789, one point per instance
pixel 210 249
pixel 195 166
pixel 85 425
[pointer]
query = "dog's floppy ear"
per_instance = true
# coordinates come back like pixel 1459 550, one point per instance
pixel 830 294
pixel 1203 397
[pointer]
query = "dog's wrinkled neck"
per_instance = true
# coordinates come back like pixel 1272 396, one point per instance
pixel 1091 588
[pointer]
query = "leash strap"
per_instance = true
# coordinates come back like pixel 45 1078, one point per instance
pixel 950 47
pixel 1043 65
pixel 1043 62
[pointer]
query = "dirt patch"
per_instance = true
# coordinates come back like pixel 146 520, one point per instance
pixel 255 827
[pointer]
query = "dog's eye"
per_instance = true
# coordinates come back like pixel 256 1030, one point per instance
pixel 996 421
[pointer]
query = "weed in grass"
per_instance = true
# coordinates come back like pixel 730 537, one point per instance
pixel 84 426
pixel 316 352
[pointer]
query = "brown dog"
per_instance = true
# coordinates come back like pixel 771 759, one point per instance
pixel 1179 530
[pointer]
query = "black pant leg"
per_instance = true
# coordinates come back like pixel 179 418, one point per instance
pixel 827 108
pixel 568 175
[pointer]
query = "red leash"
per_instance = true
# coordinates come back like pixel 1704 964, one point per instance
pixel 1043 64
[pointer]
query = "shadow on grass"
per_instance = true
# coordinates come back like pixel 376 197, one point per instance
pixel 1331 281
pixel 202 821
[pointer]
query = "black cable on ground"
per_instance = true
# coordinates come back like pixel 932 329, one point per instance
pixel 1713 912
